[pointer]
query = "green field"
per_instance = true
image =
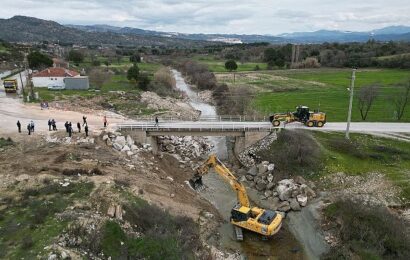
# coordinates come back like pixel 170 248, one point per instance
pixel 367 154
pixel 216 65
pixel 324 89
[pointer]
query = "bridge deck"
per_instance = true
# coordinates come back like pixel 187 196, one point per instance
pixel 199 126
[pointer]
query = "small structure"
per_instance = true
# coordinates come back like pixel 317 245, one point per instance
pixel 53 77
pixel 80 82
pixel 60 63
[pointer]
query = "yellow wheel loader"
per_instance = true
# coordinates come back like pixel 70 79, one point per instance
pixel 302 114
pixel 262 221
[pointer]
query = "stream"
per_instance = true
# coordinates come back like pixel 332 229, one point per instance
pixel 283 245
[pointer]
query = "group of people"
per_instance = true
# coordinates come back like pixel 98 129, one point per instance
pixel 30 127
pixel 52 126
pixel 69 127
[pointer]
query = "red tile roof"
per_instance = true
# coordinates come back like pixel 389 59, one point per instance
pixel 56 72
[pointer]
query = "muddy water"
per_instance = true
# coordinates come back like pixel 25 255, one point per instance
pixel 219 193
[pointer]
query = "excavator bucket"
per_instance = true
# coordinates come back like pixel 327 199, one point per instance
pixel 196 183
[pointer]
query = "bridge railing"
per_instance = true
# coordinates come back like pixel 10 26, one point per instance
pixel 221 118
pixel 190 128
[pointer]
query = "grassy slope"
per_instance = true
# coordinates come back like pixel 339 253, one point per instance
pixel 369 154
pixel 27 226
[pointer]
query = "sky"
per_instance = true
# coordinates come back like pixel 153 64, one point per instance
pixel 219 16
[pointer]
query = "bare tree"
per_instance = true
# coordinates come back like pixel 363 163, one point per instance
pixel 367 95
pixel 164 76
pixel 99 77
pixel 401 99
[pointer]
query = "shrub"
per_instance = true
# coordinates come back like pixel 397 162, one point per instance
pixel 369 232
pixel 163 76
pixel 294 151
pixel 6 142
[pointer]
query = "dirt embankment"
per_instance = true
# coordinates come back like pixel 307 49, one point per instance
pixel 160 181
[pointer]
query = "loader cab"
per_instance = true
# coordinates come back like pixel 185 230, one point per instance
pixel 302 113
pixel 240 213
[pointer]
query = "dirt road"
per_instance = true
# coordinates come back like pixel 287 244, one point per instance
pixel 12 109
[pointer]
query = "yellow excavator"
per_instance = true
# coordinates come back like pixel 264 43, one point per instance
pixel 262 221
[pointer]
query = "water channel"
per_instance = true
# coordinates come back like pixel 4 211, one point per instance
pixel 282 246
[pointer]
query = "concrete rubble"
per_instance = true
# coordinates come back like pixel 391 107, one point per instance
pixel 249 157
pixel 286 194
pixel 186 147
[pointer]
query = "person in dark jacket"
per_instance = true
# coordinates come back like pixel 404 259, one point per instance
pixel 53 123
pixel 66 126
pixel 70 131
pixel 84 120
pixel 19 126
pixel 86 129
pixel 29 129
pixel 49 125
pixel 79 127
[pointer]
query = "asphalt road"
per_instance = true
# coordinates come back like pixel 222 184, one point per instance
pixel 355 127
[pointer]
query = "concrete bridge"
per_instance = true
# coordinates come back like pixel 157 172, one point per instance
pixel 245 133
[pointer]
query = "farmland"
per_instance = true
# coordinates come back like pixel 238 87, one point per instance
pixel 324 89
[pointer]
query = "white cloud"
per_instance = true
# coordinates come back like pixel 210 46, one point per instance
pixel 218 16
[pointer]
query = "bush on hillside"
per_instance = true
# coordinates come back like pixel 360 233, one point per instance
pixel 295 151
pixel 368 232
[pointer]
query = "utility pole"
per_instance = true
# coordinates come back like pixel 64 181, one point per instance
pixel 349 116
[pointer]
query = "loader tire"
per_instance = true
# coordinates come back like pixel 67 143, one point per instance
pixel 276 123
pixel 310 124
pixel 320 124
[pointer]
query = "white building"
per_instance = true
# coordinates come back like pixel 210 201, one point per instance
pixel 53 77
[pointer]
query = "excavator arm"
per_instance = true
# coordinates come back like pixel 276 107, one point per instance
pixel 222 170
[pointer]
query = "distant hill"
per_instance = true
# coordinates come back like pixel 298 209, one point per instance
pixel 392 33
pixel 395 33
pixel 227 38
pixel 29 29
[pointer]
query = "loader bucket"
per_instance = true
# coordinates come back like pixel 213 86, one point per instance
pixel 196 183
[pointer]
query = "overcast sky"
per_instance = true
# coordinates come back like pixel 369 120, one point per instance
pixel 219 16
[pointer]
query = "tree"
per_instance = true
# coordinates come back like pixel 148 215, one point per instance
pixel 231 66
pixel 135 58
pixel 133 73
pixel 98 77
pixel 367 95
pixel 37 60
pixel 274 57
pixel 401 99
pixel 144 81
pixel 75 56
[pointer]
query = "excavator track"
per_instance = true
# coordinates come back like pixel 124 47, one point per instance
pixel 238 233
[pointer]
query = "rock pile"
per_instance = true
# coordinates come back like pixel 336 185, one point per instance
pixel 69 140
pixel 249 156
pixel 124 144
pixel 187 147
pixel 287 194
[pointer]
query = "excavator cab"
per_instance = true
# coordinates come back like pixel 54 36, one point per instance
pixel 240 213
